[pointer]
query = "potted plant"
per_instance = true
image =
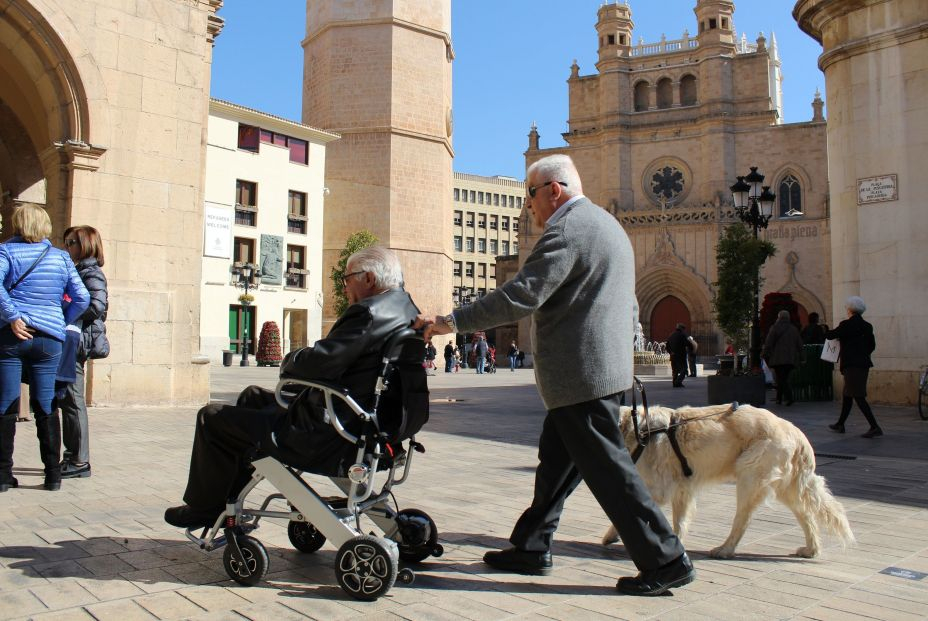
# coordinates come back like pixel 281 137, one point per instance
pixel 739 257
pixel 246 299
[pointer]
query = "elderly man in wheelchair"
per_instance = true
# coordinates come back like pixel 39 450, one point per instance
pixel 342 409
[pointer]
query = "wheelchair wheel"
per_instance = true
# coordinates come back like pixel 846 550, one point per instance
pixel 305 537
pixel 366 567
pixel 420 535
pixel 256 561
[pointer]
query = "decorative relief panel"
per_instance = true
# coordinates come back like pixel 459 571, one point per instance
pixel 272 253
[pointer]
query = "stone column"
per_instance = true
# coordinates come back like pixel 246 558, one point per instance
pixel 876 82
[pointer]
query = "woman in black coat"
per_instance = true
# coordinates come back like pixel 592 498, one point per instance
pixel 857 343
pixel 783 351
pixel 86 250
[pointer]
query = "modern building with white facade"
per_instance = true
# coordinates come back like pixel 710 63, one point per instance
pixel 264 196
pixel 485 226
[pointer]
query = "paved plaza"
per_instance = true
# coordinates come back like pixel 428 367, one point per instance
pixel 99 549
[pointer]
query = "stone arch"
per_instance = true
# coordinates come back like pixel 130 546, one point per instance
pixel 658 282
pixel 688 92
pixel 45 111
pixel 664 93
pixel 642 90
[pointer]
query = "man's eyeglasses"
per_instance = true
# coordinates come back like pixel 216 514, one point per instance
pixel 534 188
pixel 347 276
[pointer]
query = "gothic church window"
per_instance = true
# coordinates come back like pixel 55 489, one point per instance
pixel 790 197
pixel 641 96
pixel 664 93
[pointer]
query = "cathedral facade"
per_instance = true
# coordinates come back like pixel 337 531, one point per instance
pixel 660 131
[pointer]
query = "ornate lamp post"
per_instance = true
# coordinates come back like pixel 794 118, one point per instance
pixel 460 297
pixel 754 206
pixel 245 275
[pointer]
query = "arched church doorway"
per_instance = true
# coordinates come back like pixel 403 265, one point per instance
pixel 667 313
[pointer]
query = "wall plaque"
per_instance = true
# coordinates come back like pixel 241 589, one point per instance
pixel 877 189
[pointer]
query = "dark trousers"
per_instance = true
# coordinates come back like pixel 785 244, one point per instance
pixel 226 440
pixel 782 371
pixel 584 442
pixel 678 368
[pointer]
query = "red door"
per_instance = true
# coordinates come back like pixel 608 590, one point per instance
pixel 666 315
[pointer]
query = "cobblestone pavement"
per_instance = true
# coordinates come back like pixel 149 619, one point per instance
pixel 99 548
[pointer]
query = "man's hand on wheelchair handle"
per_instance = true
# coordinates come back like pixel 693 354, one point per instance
pixel 434 326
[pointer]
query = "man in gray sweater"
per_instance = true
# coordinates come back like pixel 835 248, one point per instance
pixel 579 286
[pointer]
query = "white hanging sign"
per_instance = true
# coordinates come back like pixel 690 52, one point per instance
pixel 217 232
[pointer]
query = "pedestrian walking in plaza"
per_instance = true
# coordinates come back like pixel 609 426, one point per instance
pixel 449 357
pixel 814 332
pixel 692 347
pixel 481 348
pixel 857 343
pixel 782 352
pixel 578 283
pixel 513 356
pixel 35 278
pixel 85 246
pixel 678 347
pixel 430 354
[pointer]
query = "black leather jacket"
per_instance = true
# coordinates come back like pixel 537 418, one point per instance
pixel 350 356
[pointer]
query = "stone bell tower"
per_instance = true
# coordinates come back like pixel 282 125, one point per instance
pixel 379 74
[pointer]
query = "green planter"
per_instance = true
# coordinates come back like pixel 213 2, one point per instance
pixel 740 388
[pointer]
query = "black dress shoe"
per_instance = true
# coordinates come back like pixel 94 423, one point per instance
pixel 186 516
pixel 874 432
pixel 6 484
pixel 659 581
pixel 520 562
pixel 837 427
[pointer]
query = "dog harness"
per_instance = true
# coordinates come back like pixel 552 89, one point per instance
pixel 676 421
pixel 671 431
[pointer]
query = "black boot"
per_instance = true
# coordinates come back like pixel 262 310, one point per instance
pixel 7 433
pixel 48 430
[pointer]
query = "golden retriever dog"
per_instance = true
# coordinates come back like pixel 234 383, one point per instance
pixel 761 453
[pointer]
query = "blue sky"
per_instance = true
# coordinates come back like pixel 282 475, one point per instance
pixel 512 61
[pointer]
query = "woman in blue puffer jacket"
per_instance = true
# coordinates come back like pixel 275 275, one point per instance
pixel 32 328
pixel 84 245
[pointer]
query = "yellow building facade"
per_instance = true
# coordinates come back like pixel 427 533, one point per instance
pixel 660 131
pixel 103 116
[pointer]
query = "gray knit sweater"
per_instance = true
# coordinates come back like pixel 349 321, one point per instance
pixel 579 286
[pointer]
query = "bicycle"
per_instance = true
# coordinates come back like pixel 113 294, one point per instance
pixel 923 394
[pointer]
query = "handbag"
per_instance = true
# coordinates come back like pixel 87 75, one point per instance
pixel 831 350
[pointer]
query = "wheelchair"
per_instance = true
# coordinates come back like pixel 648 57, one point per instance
pixel 366 565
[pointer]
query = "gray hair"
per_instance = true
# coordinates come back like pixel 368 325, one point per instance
pixel 856 305
pixel 783 315
pixel 379 261
pixel 557 168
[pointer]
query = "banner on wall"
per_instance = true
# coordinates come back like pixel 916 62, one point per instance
pixel 217 232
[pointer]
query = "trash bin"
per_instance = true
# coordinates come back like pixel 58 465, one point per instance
pixel 227 357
